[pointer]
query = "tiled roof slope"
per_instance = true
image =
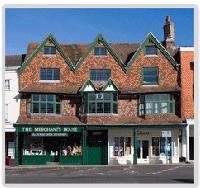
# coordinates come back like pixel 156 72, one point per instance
pixel 14 60
pixel 125 51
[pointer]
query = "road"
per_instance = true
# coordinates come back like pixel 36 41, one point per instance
pixel 103 174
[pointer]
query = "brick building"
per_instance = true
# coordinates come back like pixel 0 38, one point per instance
pixel 103 103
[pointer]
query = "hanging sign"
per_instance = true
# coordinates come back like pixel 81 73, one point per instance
pixel 166 133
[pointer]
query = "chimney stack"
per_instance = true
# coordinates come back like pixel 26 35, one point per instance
pixel 169 39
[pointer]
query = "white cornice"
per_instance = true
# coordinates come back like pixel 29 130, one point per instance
pixel 186 49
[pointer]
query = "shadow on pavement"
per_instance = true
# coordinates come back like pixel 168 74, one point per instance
pixel 185 180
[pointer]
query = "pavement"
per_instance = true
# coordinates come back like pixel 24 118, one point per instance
pixel 182 173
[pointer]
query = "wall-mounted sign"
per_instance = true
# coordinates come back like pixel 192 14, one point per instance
pixel 49 129
pixel 141 132
pixel 50 134
pixel 166 133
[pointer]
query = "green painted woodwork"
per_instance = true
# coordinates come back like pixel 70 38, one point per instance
pixel 153 39
pixel 16 160
pixel 135 146
pixel 95 155
pixel 85 151
pixel 52 39
pixel 50 158
pixel 71 160
pixel 109 83
pixel 87 82
pixel 34 160
pixel 100 39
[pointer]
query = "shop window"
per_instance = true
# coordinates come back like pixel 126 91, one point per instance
pixel 100 103
pixel 150 75
pixel 44 104
pixel 100 51
pixel 150 50
pixel 156 104
pixel 49 50
pixel 165 146
pixel 100 75
pixel 59 144
pixel 49 74
pixel 122 146
pixel 7 84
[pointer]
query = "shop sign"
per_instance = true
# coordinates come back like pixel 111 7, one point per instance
pixel 166 133
pixel 139 132
pixel 49 134
pixel 49 129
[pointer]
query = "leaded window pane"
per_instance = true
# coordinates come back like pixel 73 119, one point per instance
pixel 58 110
pixel 43 108
pixel 92 107
pixel 107 108
pixel 50 98
pixel 43 98
pixel 99 107
pixel 35 107
pixel 35 97
pixel 49 108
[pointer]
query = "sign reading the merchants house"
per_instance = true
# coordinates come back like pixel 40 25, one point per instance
pixel 49 129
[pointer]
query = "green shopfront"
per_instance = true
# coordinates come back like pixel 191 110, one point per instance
pixel 70 145
pixel 96 144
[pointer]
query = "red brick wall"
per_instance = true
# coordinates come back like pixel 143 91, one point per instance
pixel 187 81
pixel 168 77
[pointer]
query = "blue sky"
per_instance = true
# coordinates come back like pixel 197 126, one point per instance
pixel 23 26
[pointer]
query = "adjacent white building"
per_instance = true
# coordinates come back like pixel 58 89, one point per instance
pixel 11 100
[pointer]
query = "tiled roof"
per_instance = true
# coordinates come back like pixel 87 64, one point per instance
pixel 75 51
pixel 14 60
pixel 73 89
pixel 123 120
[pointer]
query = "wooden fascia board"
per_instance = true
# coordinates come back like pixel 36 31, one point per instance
pixel 51 38
pixel 159 46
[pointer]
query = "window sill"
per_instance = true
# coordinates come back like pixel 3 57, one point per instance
pixel 40 114
pixel 153 84
pixel 49 55
pixel 98 115
pixel 150 55
pixel 50 81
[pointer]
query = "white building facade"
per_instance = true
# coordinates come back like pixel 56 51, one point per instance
pixel 11 101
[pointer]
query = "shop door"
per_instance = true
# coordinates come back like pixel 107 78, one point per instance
pixel 97 148
pixel 143 151
pixel 191 148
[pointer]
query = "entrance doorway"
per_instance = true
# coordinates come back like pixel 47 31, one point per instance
pixel 143 151
pixel 191 148
pixel 97 147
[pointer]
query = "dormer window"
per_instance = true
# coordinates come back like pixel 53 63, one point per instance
pixel 49 50
pixel 100 51
pixel 150 50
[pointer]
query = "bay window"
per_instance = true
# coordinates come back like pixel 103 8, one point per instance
pixel 100 103
pixel 156 104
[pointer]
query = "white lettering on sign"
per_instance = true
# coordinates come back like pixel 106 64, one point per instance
pixel 26 129
pixel 47 129
pixel 68 129
pixel 166 133
pixel 50 134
